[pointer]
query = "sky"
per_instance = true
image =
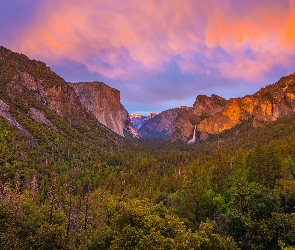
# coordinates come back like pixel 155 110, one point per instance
pixel 160 54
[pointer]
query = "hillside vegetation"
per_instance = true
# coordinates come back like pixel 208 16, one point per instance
pixel 65 193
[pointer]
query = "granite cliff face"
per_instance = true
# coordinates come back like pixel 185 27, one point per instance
pixel 187 118
pixel 265 106
pixel 104 103
pixel 159 126
pixel 211 117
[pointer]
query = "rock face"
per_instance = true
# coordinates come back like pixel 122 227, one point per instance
pixel 32 84
pixel 52 92
pixel 4 112
pixel 31 88
pixel 39 116
pixel 104 103
pixel 184 123
pixel 211 117
pixel 265 106
pixel 159 126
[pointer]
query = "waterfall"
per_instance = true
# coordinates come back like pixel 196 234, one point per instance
pixel 193 140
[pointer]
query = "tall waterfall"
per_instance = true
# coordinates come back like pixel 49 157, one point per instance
pixel 193 140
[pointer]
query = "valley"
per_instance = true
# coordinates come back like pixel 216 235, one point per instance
pixel 77 174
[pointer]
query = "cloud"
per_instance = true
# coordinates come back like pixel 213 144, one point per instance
pixel 131 39
pixel 119 39
pixel 134 43
pixel 262 28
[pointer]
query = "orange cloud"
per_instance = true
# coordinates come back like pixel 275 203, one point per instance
pixel 289 31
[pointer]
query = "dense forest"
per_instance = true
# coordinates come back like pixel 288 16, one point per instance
pixel 232 191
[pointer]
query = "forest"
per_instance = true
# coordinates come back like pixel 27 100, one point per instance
pixel 232 191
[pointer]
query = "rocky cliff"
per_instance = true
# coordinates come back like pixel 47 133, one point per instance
pixel 159 126
pixel 267 105
pixel 186 119
pixel 104 103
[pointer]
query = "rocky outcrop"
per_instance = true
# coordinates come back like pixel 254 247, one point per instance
pixel 265 106
pixel 39 116
pixel 4 112
pixel 159 126
pixel 129 130
pixel 184 123
pixel 51 90
pixel 104 103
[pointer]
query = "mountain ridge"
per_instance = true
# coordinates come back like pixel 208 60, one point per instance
pixel 30 89
pixel 29 85
pixel 213 115
pixel 266 105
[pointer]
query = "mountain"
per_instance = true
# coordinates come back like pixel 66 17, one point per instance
pixel 104 103
pixel 215 115
pixel 187 118
pixel 160 125
pixel 138 120
pixel 31 94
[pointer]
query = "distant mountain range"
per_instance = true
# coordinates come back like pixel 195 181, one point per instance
pixel 159 126
pixel 138 119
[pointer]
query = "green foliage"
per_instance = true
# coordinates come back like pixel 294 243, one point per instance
pixel 286 190
pixel 140 225
pixel 48 237
pixel 261 202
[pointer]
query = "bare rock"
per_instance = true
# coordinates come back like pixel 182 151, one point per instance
pixel 104 103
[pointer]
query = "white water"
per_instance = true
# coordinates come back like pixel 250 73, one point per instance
pixel 193 140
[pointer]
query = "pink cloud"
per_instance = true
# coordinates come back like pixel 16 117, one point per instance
pixel 264 29
pixel 129 39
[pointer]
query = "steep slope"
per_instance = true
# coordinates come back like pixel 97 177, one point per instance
pixel 33 91
pixel 159 126
pixel 265 106
pixel 104 103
